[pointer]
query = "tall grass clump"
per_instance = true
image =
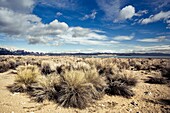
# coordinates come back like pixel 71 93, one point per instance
pixel 75 90
pixel 26 76
pixel 99 83
pixel 119 88
pixel 12 63
pixel 4 66
pixel 156 80
pixel 121 84
pixel 48 67
pixel 127 77
pixel 46 88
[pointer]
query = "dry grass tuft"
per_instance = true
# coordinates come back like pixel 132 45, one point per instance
pixel 47 67
pixel 127 78
pixel 12 63
pixel 45 89
pixel 119 88
pixel 75 90
pixel 120 84
pixel 156 80
pixel 26 76
pixel 4 66
pixel 99 83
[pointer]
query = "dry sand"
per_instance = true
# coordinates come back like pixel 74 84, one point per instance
pixel 149 98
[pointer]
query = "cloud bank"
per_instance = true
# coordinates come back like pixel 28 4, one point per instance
pixel 29 26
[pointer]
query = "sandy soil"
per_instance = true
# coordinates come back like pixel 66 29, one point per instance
pixel 149 98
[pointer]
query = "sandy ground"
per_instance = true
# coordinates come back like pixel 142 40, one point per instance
pixel 146 100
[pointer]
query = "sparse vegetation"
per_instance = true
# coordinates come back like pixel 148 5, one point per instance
pixel 78 82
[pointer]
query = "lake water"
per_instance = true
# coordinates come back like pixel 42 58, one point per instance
pixel 137 56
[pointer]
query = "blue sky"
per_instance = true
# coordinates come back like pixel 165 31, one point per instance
pixel 85 25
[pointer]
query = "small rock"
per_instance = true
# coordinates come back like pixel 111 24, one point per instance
pixel 129 110
pixel 12 112
pixel 16 93
pixel 134 103
pixel 147 93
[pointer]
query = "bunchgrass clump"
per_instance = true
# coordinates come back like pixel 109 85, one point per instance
pixel 121 84
pixel 127 78
pixel 75 90
pixel 4 66
pixel 99 82
pixel 119 88
pixel 156 80
pixel 12 63
pixel 26 76
pixel 45 69
pixel 46 88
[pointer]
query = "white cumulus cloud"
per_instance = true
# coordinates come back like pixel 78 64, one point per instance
pixel 127 12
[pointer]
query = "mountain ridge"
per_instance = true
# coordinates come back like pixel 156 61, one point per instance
pixel 5 51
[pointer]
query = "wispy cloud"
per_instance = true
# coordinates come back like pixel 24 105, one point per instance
pixel 90 16
pixel 157 17
pixel 121 38
pixel 158 4
pixel 141 12
pixel 153 49
pixel 21 6
pixel 59 14
pixel 111 8
pixel 156 39
pixel 63 4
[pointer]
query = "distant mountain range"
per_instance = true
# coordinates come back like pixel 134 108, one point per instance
pixel 5 51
